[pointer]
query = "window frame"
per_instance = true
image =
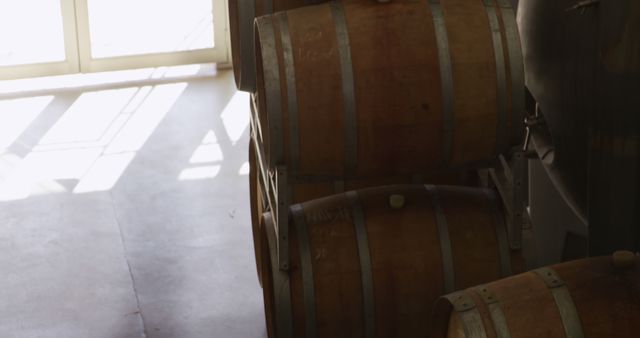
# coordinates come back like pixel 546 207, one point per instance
pixel 75 17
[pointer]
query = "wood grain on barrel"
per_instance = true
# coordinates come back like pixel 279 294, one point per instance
pixel 584 298
pixel 241 16
pixel 301 191
pixel 404 248
pixel 369 88
pixel 474 78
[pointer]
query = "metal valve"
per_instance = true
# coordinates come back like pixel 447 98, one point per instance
pixel 531 122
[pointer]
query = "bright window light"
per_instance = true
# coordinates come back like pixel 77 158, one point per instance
pixel 75 81
pixel 210 138
pixel 8 163
pixel 31 32
pixel 168 26
pixel 235 116
pixel 137 100
pixel 47 187
pixel 146 119
pixel 207 153
pixel 59 164
pixel 199 173
pixel 104 173
pixel 16 116
pixel 16 188
pixel 91 145
pixel 244 169
pixel 89 118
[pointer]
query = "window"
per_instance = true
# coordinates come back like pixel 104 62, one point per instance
pixel 51 37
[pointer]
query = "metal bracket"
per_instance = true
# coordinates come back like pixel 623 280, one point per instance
pixel 487 295
pixel 531 122
pixel 564 302
pixel 275 188
pixel 510 178
pixel 461 301
pixel 550 277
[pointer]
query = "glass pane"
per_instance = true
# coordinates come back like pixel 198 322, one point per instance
pixel 31 31
pixel 134 27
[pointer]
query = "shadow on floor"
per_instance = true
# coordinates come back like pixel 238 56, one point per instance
pixel 125 211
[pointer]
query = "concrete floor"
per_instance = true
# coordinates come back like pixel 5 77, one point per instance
pixel 124 213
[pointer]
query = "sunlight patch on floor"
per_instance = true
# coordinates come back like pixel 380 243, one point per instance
pixel 244 169
pixel 89 147
pixel 235 116
pixel 78 81
pixel 16 115
pixel 208 152
pixel 199 173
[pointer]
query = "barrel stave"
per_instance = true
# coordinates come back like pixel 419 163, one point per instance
pixel 384 90
pixel 584 298
pixel 402 261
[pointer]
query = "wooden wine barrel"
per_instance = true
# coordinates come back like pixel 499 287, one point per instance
pixel 362 88
pixel 241 16
pixel 313 189
pixel 370 263
pixel 596 297
pixel 303 192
